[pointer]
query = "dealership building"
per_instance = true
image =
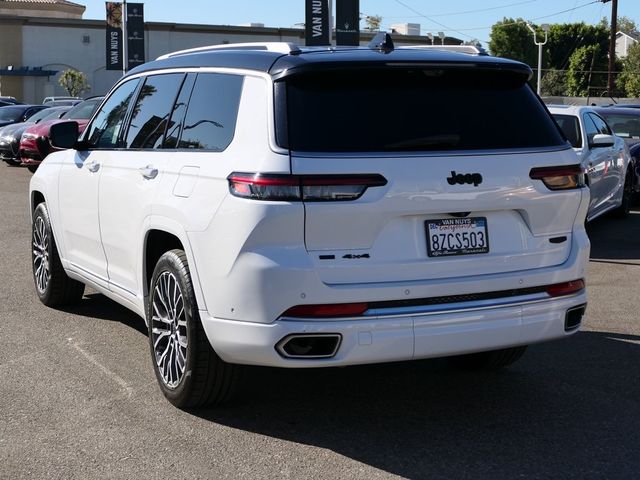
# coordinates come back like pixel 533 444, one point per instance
pixel 41 38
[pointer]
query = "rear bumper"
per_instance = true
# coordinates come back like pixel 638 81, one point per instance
pixel 397 337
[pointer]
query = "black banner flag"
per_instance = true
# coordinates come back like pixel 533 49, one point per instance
pixel 114 36
pixel 348 22
pixel 317 23
pixel 135 34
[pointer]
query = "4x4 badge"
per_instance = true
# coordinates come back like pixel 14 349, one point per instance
pixel 461 178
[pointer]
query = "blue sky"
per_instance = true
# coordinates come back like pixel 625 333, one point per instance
pixel 464 19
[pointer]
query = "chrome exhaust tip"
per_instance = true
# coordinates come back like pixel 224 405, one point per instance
pixel 573 318
pixel 309 345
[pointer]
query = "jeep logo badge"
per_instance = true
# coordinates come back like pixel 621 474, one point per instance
pixel 461 178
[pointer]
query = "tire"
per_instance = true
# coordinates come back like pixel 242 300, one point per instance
pixel 188 370
pixel 32 168
pixel 491 360
pixel 627 197
pixel 53 287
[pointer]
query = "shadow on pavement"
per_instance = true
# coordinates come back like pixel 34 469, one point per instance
pixel 615 238
pixel 96 305
pixel 568 409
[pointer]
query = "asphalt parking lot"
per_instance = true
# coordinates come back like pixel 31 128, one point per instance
pixel 78 398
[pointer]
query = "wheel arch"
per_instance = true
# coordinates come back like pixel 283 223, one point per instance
pixel 37 197
pixel 162 235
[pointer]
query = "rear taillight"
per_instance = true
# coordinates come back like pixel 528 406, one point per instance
pixel 559 178
pixel 566 288
pixel 310 188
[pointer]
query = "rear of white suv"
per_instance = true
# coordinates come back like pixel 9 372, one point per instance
pixel 361 207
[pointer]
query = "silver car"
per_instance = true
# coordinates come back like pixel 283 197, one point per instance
pixel 604 157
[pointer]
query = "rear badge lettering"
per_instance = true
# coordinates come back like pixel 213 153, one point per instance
pixel 463 178
pixel 352 256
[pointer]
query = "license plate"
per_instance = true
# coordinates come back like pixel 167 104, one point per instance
pixel 457 236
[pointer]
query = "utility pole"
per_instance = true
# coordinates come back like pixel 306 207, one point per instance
pixel 611 82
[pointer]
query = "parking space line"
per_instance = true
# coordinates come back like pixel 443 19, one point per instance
pixel 119 380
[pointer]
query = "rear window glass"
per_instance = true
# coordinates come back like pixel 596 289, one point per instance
pixel 84 110
pixel 11 114
pixel 571 128
pixel 412 110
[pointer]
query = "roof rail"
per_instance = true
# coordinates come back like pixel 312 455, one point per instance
pixel 280 47
pixel 468 49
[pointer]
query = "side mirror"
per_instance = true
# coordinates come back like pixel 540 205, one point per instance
pixel 64 134
pixel 601 140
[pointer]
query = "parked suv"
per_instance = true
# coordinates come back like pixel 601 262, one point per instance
pixel 270 205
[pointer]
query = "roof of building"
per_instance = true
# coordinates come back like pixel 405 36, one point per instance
pixel 633 36
pixel 56 2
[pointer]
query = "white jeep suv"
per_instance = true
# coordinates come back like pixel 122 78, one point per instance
pixel 272 205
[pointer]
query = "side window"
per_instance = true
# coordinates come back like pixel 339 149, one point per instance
pixel 177 116
pixel 211 116
pixel 152 109
pixel 105 128
pixel 590 128
pixel 601 125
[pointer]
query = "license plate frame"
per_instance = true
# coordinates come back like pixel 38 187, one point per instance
pixel 446 230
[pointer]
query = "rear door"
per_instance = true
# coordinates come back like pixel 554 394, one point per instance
pixel 130 177
pixel 456 149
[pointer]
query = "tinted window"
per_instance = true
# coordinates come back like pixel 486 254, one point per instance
pixel 211 116
pixel 11 114
pixel 571 128
pixel 600 124
pixel 54 113
pixel 106 126
pixel 624 125
pixel 177 116
pixel 84 110
pixel 32 111
pixel 590 128
pixel 152 110
pixel 36 117
pixel 413 109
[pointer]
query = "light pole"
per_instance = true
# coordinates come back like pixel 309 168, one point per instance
pixel 545 28
pixel 441 35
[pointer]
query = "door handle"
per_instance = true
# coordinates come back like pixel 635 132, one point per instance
pixel 93 167
pixel 149 172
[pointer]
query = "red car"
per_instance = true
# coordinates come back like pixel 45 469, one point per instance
pixel 34 144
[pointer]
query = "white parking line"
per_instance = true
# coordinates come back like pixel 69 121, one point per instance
pixel 119 380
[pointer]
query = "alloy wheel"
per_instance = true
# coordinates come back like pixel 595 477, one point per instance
pixel 169 329
pixel 41 266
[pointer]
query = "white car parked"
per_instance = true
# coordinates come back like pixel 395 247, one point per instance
pixel 270 205
pixel 604 157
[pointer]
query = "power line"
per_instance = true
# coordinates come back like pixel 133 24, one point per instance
pixel 567 10
pixel 461 30
pixel 432 20
pixel 488 9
